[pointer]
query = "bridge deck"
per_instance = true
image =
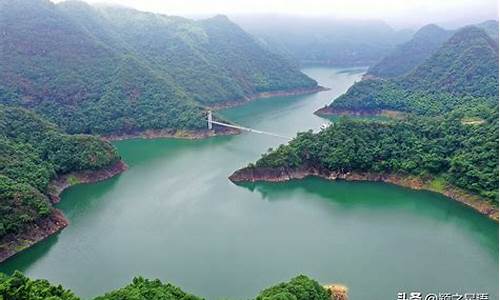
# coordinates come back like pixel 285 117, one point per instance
pixel 248 129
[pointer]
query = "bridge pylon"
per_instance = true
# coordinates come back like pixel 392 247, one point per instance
pixel 209 120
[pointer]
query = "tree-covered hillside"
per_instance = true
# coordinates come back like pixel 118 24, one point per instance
pixel 424 43
pixel 412 53
pixel 466 65
pixel 33 152
pixel 464 71
pixel 18 286
pixel 463 155
pixel 141 288
pixel 490 27
pixel 111 69
pixel 298 288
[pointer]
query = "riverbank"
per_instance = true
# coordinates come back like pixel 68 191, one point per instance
pixel 253 174
pixel 264 95
pixel 172 134
pixel 41 229
pixel 328 111
pixel 62 182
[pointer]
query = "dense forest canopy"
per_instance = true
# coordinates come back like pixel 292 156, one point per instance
pixel 298 288
pixel 141 288
pixel 428 147
pixel 18 286
pixel 324 40
pixel 101 69
pixel 34 151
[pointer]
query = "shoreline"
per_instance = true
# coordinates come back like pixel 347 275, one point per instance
pixel 38 231
pixel 327 111
pixel 62 182
pixel 189 134
pixel 475 202
pixel 171 134
pixel 43 228
pixel 264 95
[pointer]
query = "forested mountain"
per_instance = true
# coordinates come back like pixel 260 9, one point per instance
pixel 466 65
pixel 464 71
pixel 412 53
pixel 448 139
pixel 490 27
pixel 112 69
pixel 18 286
pixel 425 42
pixel 32 152
pixel 324 40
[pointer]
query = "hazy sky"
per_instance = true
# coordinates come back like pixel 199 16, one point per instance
pixel 395 12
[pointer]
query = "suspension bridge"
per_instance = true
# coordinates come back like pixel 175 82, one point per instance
pixel 211 122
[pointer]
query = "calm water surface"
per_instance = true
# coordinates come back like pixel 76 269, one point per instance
pixel 174 215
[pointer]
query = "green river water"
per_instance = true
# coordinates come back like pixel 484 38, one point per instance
pixel 174 215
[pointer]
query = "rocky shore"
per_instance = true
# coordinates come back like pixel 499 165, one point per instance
pixel 329 111
pixel 263 95
pixel 254 174
pixel 37 231
pixel 62 182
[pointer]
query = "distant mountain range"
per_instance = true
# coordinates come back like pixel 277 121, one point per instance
pixel 112 69
pixel 324 40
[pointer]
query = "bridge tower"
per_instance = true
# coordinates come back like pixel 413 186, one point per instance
pixel 209 119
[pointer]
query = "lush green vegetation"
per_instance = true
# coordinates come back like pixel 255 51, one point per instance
pixel 424 43
pixel 20 287
pixel 141 288
pixel 298 288
pixel 32 152
pixel 112 69
pixel 464 71
pixel 427 147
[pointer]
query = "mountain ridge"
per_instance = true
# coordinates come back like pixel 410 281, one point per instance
pixel 65 60
pixel 428 39
pixel 461 72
